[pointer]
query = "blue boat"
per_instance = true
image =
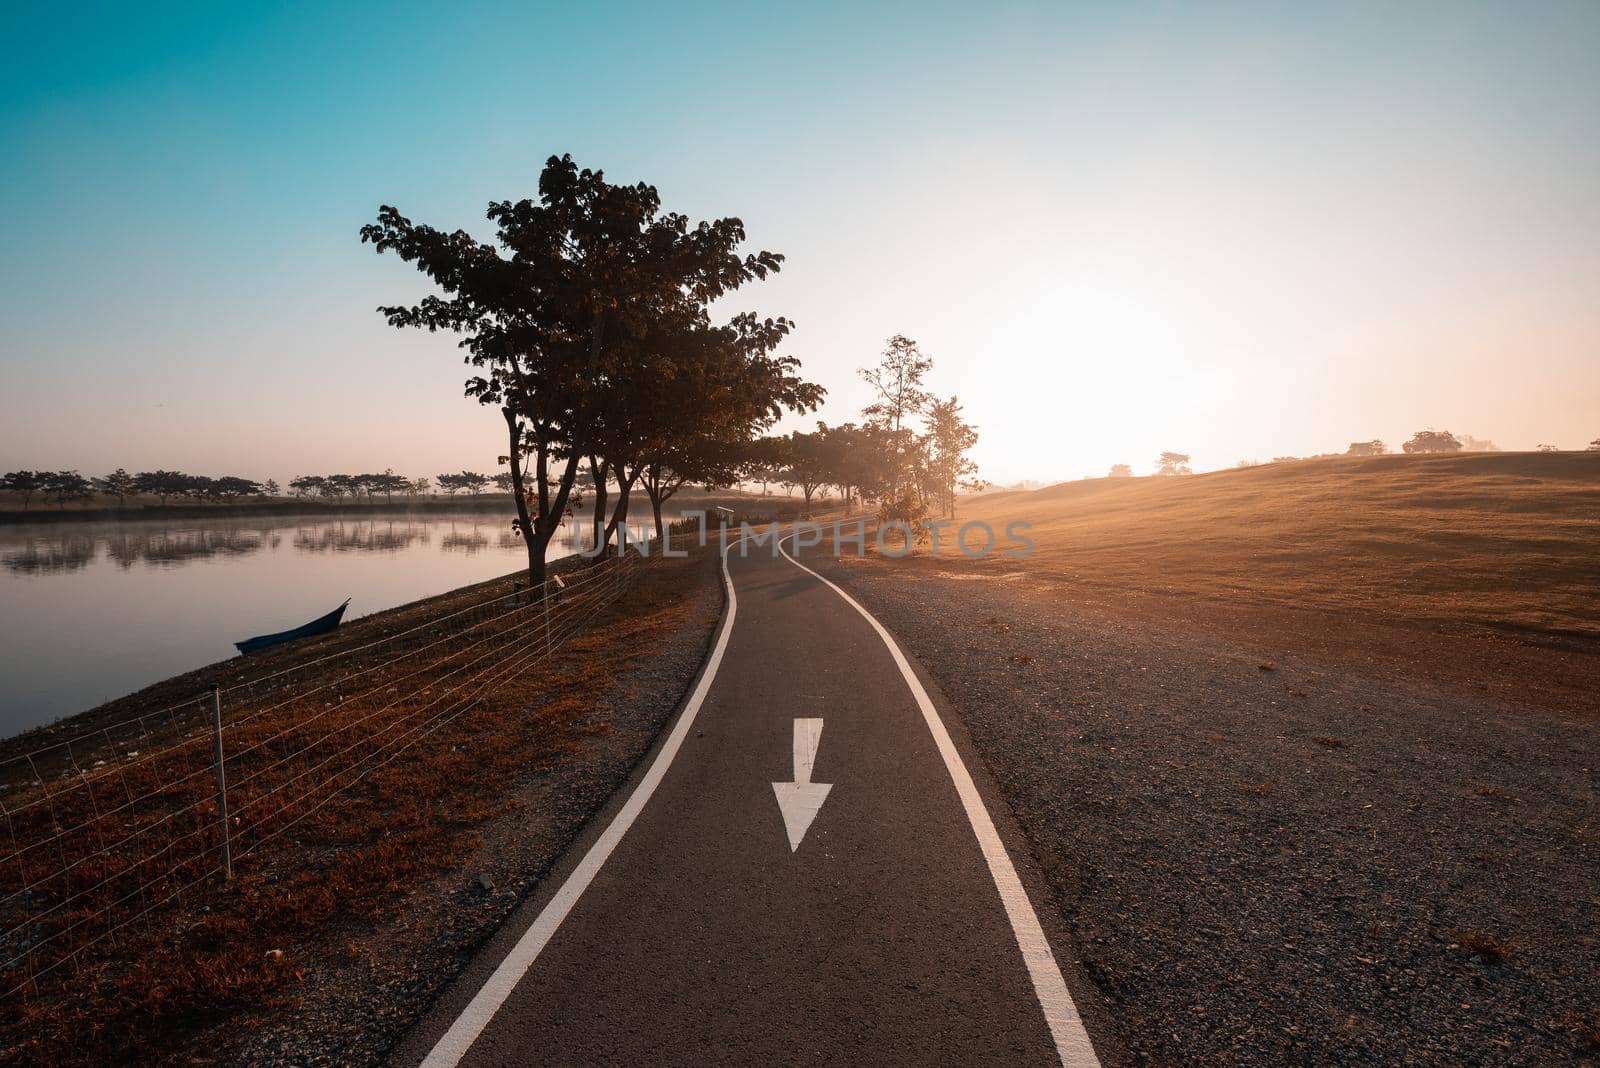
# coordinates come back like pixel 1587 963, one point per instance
pixel 320 625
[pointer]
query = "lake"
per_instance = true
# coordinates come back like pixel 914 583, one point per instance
pixel 92 611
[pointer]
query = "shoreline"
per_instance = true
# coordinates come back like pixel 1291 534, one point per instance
pixel 192 685
pixel 487 503
pixel 45 516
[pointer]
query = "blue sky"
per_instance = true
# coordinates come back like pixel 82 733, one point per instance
pixel 1236 230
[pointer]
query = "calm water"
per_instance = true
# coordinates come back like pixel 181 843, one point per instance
pixel 91 611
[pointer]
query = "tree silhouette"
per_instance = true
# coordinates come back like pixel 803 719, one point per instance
pixel 26 483
pixel 1173 463
pixel 161 484
pixel 949 439
pixel 232 487
pixel 1424 441
pixel 566 315
pixel 1367 448
pixel 897 385
pixel 1120 471
pixel 119 484
pixel 66 486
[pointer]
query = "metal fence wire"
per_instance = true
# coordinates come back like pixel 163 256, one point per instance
pixel 104 828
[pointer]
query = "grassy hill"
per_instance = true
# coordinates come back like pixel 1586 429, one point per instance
pixel 1505 540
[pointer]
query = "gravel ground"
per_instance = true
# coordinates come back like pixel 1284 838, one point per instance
pixel 356 1004
pixel 1279 862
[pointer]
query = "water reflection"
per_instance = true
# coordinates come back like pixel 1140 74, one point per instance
pixel 41 550
pixel 173 548
pixel 71 552
pixel 389 536
pixel 90 611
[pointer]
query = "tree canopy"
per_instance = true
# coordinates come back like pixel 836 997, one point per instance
pixel 586 319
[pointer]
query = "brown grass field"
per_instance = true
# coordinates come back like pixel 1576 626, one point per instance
pixel 1504 541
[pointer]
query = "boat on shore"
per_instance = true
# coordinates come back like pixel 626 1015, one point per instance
pixel 320 625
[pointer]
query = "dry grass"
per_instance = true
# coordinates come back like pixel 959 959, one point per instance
pixel 318 851
pixel 1501 540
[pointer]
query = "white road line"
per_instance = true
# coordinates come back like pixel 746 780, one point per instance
pixel 801 799
pixel 476 1016
pixel 1066 1026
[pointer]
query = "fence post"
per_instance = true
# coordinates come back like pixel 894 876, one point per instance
pixel 544 591
pixel 222 781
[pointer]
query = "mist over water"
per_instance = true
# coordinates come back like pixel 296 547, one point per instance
pixel 92 611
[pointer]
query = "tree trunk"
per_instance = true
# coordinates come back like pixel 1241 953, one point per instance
pixel 620 513
pixel 652 489
pixel 597 470
pixel 535 540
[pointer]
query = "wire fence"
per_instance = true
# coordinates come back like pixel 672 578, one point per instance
pixel 102 829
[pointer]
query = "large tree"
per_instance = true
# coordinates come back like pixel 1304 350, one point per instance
pixel 719 388
pixel 555 314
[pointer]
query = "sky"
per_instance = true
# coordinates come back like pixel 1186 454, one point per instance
pixel 1233 230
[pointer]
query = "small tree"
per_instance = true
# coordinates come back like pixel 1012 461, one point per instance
pixel 119 484
pixel 420 486
pixel 473 481
pixel 65 486
pixel 1120 471
pixel 1548 448
pixel 1594 446
pixel 26 483
pixel 1366 448
pixel 1424 441
pixel 806 463
pixel 949 439
pixel 504 482
pixel 1173 463
pixel 897 382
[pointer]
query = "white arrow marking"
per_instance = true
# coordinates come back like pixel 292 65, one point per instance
pixel 799 801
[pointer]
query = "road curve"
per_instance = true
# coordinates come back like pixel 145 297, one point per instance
pixel 803 870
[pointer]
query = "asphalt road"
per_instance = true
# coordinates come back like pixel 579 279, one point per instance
pixel 803 869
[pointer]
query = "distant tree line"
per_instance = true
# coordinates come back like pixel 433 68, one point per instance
pixel 65 487
pixel 1422 442
pixel 337 487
